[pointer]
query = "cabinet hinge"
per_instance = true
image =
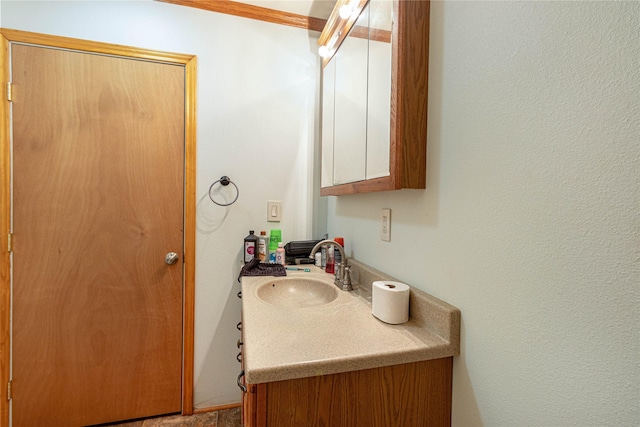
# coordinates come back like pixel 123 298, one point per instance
pixel 10 242
pixel 9 390
pixel 9 91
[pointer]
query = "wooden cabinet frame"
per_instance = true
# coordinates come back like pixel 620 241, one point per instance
pixel 409 90
pixel 406 395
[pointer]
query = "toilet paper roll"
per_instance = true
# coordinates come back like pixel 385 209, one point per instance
pixel 390 301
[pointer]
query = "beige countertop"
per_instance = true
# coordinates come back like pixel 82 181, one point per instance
pixel 342 335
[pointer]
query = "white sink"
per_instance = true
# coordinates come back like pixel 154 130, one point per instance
pixel 296 292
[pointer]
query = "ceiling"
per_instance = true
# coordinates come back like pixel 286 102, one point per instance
pixel 315 8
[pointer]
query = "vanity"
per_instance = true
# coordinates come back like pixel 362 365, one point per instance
pixel 314 355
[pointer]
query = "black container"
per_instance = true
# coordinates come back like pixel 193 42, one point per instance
pixel 250 247
pixel 297 252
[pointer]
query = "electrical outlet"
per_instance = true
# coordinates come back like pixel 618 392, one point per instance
pixel 385 225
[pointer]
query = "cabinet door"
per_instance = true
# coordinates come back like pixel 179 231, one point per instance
pixel 379 89
pixel 328 111
pixel 350 120
pixel 414 394
pixel 390 153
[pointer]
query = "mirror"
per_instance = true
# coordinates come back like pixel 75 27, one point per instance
pixel 379 89
pixel 350 114
pixel 356 102
pixel 375 97
pixel 328 109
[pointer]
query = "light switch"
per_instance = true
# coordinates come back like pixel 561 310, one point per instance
pixel 274 210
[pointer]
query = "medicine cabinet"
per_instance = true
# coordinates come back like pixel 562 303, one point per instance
pixel 374 96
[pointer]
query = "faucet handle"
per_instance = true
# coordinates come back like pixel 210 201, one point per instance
pixel 338 270
pixel 347 275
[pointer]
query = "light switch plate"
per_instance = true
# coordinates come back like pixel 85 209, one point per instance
pixel 274 210
pixel 385 225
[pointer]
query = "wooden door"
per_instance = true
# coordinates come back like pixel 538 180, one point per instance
pixel 98 187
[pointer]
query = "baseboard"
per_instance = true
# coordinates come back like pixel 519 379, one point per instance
pixel 216 408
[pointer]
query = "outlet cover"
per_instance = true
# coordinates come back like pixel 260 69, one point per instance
pixel 385 225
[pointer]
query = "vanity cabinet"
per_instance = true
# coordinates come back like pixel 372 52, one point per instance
pixel 406 395
pixel 374 97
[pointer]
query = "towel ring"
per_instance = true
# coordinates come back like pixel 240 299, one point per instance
pixel 224 180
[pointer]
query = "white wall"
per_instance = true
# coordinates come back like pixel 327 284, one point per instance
pixel 530 220
pixel 257 89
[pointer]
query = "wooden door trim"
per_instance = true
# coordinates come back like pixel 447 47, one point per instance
pixel 190 64
pixel 5 225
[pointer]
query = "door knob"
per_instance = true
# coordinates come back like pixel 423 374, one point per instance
pixel 171 258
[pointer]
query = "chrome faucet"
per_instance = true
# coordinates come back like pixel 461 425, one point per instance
pixel 342 269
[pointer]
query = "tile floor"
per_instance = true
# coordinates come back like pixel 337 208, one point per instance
pixel 223 418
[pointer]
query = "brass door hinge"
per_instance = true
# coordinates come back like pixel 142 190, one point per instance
pixel 10 242
pixel 9 390
pixel 9 91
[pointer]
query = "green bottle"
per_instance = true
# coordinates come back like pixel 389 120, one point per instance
pixel 274 238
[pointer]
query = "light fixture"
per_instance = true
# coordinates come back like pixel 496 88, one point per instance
pixel 345 11
pixel 348 9
pixel 326 50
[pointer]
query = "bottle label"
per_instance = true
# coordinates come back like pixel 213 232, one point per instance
pixel 249 251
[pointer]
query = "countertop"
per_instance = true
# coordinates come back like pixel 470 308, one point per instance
pixel 342 335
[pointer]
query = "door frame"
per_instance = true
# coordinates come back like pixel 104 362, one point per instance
pixel 189 62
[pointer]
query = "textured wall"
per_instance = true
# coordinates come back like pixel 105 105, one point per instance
pixel 530 220
pixel 257 85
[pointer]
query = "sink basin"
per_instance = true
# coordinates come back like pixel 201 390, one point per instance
pixel 294 292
